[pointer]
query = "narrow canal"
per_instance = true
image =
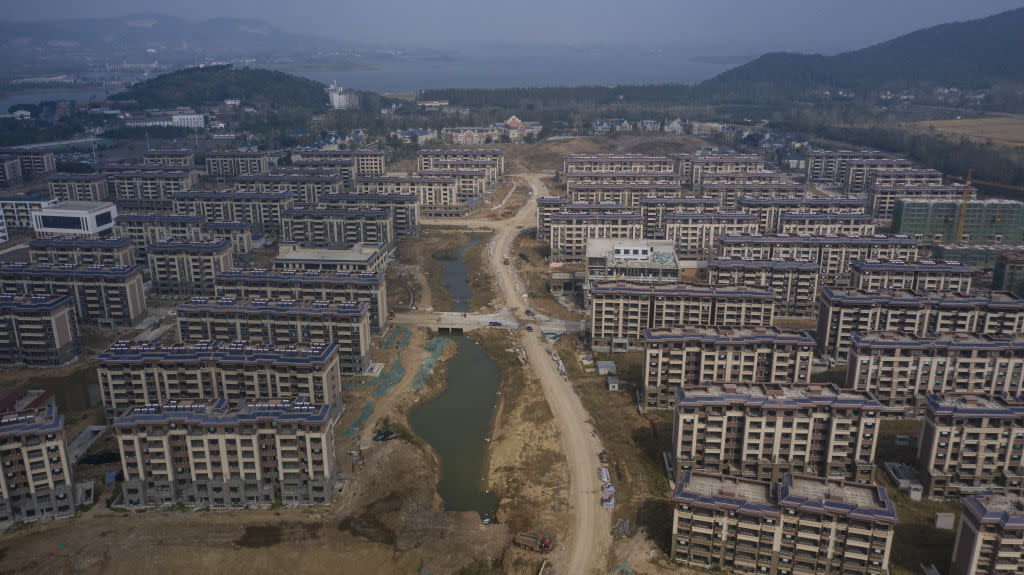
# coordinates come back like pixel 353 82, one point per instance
pixel 455 276
pixel 457 423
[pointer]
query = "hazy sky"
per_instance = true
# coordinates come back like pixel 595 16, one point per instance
pixel 805 25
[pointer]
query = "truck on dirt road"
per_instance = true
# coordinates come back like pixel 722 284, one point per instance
pixel 534 543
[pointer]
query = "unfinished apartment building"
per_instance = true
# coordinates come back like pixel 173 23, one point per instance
pixel 570 231
pixel 282 322
pixel 769 212
pixel 336 287
pixel 103 296
pixel 923 275
pixel 133 374
pixel 78 187
pixel 231 163
pixel 620 179
pixel 654 210
pixel 363 258
pixel 829 167
pixel 218 453
pixel 902 369
pixel 404 208
pixel 187 268
pixel 307 187
pixel 971 442
pixel 38 330
pixel 695 233
pixel 470 185
pixel 794 282
pixel 797 525
pixel 693 167
pixel 842 313
pixel 680 357
pixel 990 535
pixel 833 254
pixel 178 157
pixel 729 195
pixel 10 171
pixel 82 251
pixel 37 483
pixel 882 198
pixel 989 221
pixel 763 431
pixel 17 210
pixel 264 210
pixel 628 195
pixel 363 162
pixel 439 196
pixel 621 312
pixel 492 161
pixel 860 173
pixel 147 188
pixel 336 228
pixel 607 163
pixel 638 261
pixel 826 224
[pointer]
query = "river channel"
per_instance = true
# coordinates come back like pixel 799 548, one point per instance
pixel 457 423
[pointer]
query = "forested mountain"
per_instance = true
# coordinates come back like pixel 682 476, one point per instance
pixel 974 54
pixel 213 84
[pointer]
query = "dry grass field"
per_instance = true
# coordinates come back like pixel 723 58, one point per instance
pixel 1006 130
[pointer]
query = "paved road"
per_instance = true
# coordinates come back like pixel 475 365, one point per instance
pixel 472 321
pixel 587 548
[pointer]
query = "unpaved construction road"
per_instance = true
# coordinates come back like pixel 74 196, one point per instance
pixel 590 538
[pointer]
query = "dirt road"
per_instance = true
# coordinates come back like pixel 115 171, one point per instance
pixel 589 543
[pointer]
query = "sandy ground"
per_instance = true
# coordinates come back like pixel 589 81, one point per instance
pixel 547 155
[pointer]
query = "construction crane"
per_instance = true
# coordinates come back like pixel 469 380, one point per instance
pixel 967 195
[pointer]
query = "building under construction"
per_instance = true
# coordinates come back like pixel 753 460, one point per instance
pixel 985 221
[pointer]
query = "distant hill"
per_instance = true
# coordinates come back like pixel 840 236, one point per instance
pixel 213 84
pixel 72 45
pixel 972 54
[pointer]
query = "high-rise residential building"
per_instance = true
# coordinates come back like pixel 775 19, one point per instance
pixel 729 195
pixel 570 231
pixel 1009 273
pixel 148 187
pixel 404 208
pixel 680 357
pixel 38 330
pixel 187 268
pixel 794 282
pixel 769 212
pixel 38 482
pixel 78 187
pixel 842 313
pixel 282 322
pixel 264 210
pixel 17 210
pixel 219 453
pixel 603 163
pixel 829 167
pixel 336 228
pixel 238 163
pixel 989 538
pixel 990 221
pixel 178 157
pixel 104 296
pixel 832 224
pixel 693 167
pixel 109 251
pixel 969 442
pixel 490 160
pixel 336 287
pixel 439 196
pixel 695 233
pixel 923 275
pixel 622 312
pixel 364 163
pixel 762 431
pixel 833 254
pixel 799 524
pixel 306 187
pixel 133 374
pixel 883 199
pixel 628 195
pixel 901 370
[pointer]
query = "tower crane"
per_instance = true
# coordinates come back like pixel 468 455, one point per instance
pixel 967 195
